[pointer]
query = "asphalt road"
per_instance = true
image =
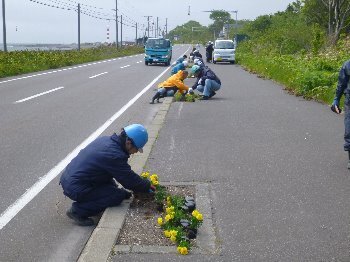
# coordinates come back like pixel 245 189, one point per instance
pixel 44 117
pixel 276 168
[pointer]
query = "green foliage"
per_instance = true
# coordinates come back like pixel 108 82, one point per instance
pixel 199 34
pixel 160 194
pixel 318 39
pixel 178 97
pixel 290 48
pixel 220 18
pixel 311 76
pixel 21 62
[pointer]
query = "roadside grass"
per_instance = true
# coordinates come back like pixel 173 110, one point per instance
pixel 21 62
pixel 308 75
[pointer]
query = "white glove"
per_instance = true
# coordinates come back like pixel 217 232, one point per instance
pixel 200 81
pixel 190 90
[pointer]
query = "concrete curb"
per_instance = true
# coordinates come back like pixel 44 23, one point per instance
pixel 206 239
pixel 103 238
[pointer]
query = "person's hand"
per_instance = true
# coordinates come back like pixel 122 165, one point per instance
pixel 335 107
pixel 127 194
pixel 190 90
pixel 152 188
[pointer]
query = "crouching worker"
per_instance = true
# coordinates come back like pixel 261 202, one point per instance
pixel 89 178
pixel 181 59
pixel 171 86
pixel 207 82
pixel 181 66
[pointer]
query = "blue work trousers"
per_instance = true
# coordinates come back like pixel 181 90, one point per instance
pixel 209 87
pixel 97 200
pixel 164 92
pixel 347 123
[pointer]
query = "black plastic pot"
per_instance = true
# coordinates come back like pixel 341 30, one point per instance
pixel 191 206
pixel 185 223
pixel 192 233
pixel 160 207
pixel 189 199
pixel 185 208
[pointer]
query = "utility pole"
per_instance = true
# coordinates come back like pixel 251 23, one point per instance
pixel 4 25
pixel 166 27
pixel 116 23
pixel 157 30
pixel 148 16
pixel 236 25
pixel 121 31
pixel 79 27
pixel 136 34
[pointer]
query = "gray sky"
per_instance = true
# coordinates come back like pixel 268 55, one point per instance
pixel 37 23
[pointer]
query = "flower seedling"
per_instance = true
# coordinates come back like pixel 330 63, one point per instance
pixel 180 219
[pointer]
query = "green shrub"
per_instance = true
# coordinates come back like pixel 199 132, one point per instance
pixel 20 62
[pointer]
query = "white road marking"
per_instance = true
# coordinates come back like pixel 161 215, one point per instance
pixel 124 66
pixel 32 192
pixel 98 75
pixel 41 94
pixel 60 70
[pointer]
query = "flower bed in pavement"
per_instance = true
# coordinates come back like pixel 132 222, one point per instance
pixel 167 217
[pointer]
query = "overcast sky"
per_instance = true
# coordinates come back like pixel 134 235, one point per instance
pixel 31 22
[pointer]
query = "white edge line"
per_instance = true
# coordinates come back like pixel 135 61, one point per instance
pixel 98 75
pixel 60 70
pixel 34 190
pixel 37 95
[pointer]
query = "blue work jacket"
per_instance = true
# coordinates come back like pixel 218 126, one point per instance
pixel 101 161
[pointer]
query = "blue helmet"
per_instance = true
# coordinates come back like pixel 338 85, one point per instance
pixel 195 69
pixel 138 134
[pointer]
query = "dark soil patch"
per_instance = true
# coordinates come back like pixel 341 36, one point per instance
pixel 141 227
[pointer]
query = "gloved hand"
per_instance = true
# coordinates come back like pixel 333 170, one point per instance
pixel 200 81
pixel 190 91
pixel 335 107
pixel 152 189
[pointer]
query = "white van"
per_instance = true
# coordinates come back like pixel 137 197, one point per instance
pixel 224 51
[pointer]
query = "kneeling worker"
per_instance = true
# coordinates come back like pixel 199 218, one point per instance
pixel 207 81
pixel 89 178
pixel 171 86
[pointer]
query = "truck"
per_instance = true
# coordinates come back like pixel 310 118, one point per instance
pixel 158 50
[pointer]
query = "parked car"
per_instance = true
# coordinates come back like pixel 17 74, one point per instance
pixel 224 51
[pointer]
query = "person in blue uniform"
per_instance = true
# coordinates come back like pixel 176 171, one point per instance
pixel 343 87
pixel 89 179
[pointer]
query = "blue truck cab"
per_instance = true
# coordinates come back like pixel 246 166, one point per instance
pixel 158 50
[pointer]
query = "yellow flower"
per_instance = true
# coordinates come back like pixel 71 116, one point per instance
pixel 195 212
pixel 145 174
pixel 155 182
pixel 169 210
pixel 168 217
pixel 173 238
pixel 199 217
pixel 160 221
pixel 173 233
pixel 167 233
pixel 182 250
pixel 154 177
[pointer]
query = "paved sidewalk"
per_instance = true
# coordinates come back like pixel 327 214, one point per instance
pixel 278 183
